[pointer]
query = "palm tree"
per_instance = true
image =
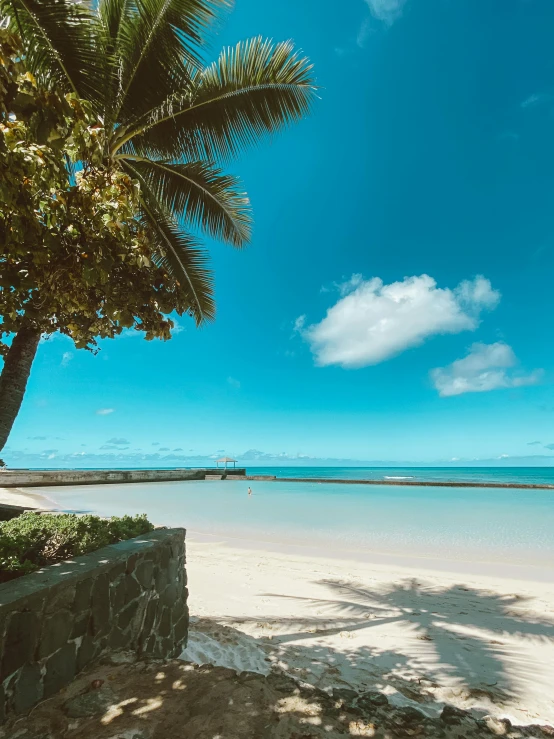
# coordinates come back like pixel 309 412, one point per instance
pixel 169 121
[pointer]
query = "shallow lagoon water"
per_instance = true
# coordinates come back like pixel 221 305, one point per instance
pixel 471 524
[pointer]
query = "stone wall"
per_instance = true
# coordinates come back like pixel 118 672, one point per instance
pixel 54 622
pixel 39 478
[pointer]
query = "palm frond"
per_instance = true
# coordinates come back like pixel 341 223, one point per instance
pixel 61 44
pixel 203 195
pixel 255 88
pixel 156 42
pixel 178 252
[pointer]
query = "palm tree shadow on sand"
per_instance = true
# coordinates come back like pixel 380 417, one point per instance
pixel 472 640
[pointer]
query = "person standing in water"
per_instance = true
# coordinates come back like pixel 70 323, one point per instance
pixel 249 491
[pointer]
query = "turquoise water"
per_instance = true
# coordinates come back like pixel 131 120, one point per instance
pixel 529 475
pixel 471 524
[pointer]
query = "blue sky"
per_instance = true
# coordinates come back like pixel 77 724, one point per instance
pixel 396 302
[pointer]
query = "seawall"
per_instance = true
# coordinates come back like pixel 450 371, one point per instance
pixel 419 483
pixel 42 478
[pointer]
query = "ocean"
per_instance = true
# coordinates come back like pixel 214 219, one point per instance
pixel 468 524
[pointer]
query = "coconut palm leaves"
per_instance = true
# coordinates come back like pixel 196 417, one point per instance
pixel 168 118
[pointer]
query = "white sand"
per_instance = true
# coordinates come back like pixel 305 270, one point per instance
pixel 15 496
pixel 475 641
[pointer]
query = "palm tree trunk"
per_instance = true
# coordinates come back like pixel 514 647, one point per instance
pixel 13 380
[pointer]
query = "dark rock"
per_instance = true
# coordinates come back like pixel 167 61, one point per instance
pixel 2 704
pixel 80 626
pixel 91 703
pixel 82 596
pixel 164 628
pixel 28 688
pixel 408 715
pixel 169 595
pixel 131 563
pixel 151 611
pixel 161 579
pixel 452 715
pixel 344 695
pixel 20 641
pixel 144 573
pixel 117 595
pixel 101 605
pixel 118 570
pixel 127 615
pixel 181 629
pixel 178 610
pixel 165 556
pixel 55 633
pixel 87 652
pixel 372 699
pixel 60 669
pixel 118 639
pixel 132 589
pixel 61 598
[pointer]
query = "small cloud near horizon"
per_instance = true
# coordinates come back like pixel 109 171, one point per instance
pixel 37 438
pixel 117 441
pixel 104 411
pixel 164 449
pixel 533 443
pixel 155 443
pixel 549 446
pixel 178 449
pixel 485 367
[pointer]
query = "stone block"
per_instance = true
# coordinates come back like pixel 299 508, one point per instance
pixel 119 639
pixel 132 589
pixel 101 605
pixel 87 652
pixel 61 597
pixel 20 641
pixel 181 629
pixel 81 601
pixel 55 633
pixel 144 573
pixel 28 688
pixel 60 669
pixel 169 595
pixel 127 615
pixel 164 628
pixel 161 579
pixel 117 595
pixel 131 564
pixel 80 626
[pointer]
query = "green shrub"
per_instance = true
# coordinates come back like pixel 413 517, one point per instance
pixel 34 540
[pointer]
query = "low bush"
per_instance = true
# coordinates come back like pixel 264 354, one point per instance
pixel 34 540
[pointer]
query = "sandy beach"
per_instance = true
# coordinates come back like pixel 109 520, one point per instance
pixel 17 497
pixel 423 637
pixel 425 633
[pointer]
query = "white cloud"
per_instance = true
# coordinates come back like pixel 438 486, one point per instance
pixel 486 367
pixel 299 324
pixel 536 99
pixel 66 358
pixel 104 411
pixel 387 11
pixel 373 321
